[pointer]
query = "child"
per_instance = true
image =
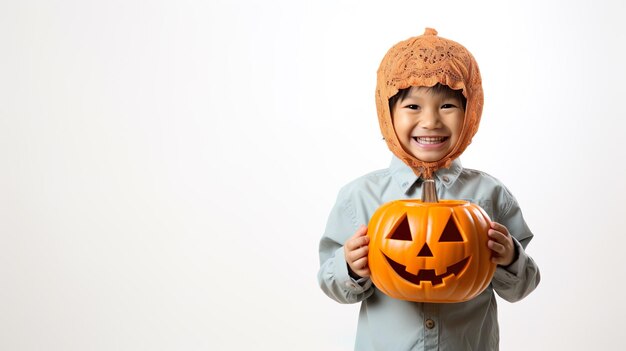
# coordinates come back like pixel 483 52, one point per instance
pixel 429 99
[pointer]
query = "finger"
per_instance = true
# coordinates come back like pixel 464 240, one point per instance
pixel 496 260
pixel 350 243
pixel 499 228
pixel 357 254
pixel 357 242
pixel 364 273
pixel 498 236
pixel 496 247
pixel 360 264
pixel 361 231
pixel 361 268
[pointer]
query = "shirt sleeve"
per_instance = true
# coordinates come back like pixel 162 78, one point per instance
pixel 333 274
pixel 522 276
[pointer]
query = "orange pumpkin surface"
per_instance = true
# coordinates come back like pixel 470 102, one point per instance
pixel 430 251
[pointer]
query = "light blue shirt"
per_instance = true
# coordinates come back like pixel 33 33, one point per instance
pixel 386 323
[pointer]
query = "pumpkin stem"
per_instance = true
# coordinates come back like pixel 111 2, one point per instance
pixel 429 191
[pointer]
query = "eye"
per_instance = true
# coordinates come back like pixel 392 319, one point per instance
pixel 451 232
pixel 402 230
pixel 448 106
pixel 413 107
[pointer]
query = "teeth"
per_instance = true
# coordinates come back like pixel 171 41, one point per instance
pixel 429 140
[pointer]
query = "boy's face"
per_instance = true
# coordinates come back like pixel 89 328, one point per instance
pixel 428 123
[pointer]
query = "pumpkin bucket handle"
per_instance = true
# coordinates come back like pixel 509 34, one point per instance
pixel 429 191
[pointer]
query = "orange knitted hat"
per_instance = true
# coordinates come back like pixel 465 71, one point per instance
pixel 426 60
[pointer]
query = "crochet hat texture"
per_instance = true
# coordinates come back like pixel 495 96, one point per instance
pixel 426 60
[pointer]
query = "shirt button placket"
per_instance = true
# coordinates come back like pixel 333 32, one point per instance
pixel 431 337
pixel 431 329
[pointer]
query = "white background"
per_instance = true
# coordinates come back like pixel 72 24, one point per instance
pixel 167 167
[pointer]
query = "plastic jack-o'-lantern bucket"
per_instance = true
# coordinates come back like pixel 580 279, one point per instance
pixel 430 251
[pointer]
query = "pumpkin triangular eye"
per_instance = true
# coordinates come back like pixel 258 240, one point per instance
pixel 451 232
pixel 402 231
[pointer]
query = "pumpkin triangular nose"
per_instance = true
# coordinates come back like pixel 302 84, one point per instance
pixel 425 251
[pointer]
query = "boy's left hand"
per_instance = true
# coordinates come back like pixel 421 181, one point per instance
pixel 501 244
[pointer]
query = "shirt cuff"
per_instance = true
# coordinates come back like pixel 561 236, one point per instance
pixel 519 262
pixel 342 276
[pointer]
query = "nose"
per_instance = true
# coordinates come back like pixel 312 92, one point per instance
pixel 430 119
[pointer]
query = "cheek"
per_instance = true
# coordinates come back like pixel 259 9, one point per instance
pixel 402 126
pixel 456 126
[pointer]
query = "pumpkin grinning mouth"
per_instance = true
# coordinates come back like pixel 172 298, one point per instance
pixel 427 275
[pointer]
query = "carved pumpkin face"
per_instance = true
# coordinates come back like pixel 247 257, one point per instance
pixel 430 252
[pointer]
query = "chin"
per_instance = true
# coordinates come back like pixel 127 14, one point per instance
pixel 427 158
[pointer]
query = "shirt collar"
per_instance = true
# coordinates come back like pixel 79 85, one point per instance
pixel 405 177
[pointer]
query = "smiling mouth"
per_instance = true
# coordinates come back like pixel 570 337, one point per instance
pixel 427 275
pixel 430 140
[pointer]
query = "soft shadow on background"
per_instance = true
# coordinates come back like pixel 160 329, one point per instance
pixel 166 167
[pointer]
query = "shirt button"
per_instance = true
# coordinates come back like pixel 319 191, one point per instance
pixel 430 324
pixel 446 179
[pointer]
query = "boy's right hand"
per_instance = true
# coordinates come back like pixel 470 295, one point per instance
pixel 355 251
